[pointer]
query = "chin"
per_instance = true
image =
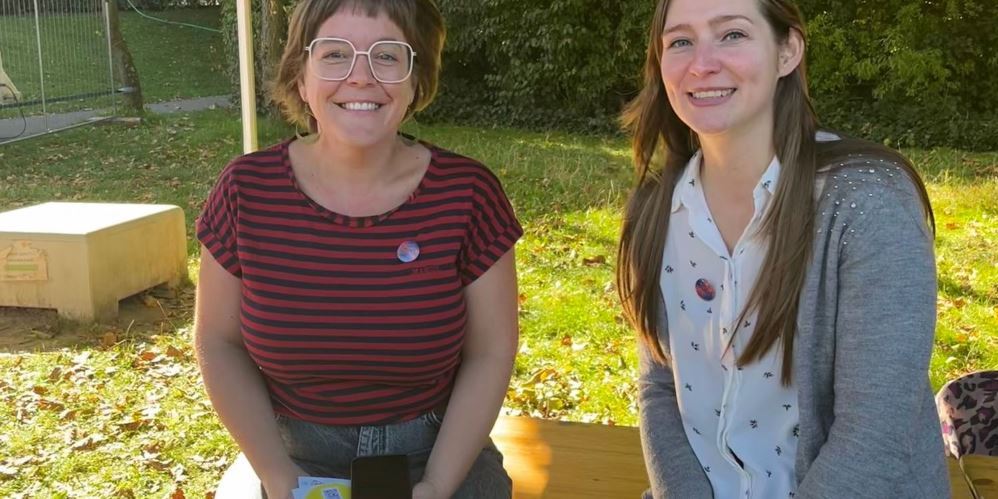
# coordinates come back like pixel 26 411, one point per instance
pixel 363 138
pixel 702 127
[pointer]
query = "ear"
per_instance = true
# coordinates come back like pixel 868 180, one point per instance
pixel 791 52
pixel 301 89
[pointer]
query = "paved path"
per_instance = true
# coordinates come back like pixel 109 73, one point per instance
pixel 13 129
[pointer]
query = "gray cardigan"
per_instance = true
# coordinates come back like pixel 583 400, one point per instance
pixel 865 327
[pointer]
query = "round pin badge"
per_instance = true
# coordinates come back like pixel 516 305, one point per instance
pixel 705 290
pixel 408 251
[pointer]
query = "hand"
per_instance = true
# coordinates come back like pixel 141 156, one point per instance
pixel 426 490
pixel 279 485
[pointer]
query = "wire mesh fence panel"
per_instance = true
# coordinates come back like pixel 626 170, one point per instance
pixel 54 65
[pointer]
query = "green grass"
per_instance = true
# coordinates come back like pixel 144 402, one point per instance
pixel 132 418
pixel 964 192
pixel 172 61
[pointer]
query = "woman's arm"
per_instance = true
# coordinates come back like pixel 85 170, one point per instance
pixel 673 469
pixel 884 332
pixel 487 362
pixel 233 380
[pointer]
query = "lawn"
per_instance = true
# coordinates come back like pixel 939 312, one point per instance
pixel 172 61
pixel 100 409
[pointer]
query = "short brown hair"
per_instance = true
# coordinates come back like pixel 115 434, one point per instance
pixel 419 20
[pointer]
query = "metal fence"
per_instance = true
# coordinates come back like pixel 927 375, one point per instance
pixel 55 66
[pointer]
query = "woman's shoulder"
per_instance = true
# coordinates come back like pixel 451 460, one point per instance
pixel 263 161
pixel 460 169
pixel 850 168
pixel 858 177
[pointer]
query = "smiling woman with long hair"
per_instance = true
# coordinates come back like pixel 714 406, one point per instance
pixel 781 276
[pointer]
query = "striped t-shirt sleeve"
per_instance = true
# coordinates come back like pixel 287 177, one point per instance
pixel 216 227
pixel 493 228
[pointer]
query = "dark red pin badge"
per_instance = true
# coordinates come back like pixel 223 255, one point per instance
pixel 705 290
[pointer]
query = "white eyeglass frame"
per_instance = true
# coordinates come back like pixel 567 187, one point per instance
pixel 367 53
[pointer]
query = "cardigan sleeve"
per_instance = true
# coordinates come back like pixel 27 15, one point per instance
pixel 885 323
pixel 673 469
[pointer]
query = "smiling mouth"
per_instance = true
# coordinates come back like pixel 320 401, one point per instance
pixel 359 106
pixel 712 94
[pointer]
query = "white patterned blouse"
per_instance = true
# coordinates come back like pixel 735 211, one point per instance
pixel 742 423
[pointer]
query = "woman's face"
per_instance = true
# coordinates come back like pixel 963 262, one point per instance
pixel 720 64
pixel 359 111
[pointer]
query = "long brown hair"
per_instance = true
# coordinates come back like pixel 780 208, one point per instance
pixel 662 145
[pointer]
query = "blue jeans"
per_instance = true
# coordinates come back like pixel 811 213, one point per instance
pixel 327 451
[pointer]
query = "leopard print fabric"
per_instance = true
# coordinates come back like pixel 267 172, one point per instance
pixel 968 411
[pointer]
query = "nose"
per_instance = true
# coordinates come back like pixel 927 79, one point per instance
pixel 704 60
pixel 361 73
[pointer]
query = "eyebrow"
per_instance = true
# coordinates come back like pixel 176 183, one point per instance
pixel 385 39
pixel 713 22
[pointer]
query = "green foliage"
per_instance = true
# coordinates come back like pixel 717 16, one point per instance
pixel 908 73
pixel 550 64
pixel 903 72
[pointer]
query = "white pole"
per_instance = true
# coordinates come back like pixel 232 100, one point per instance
pixel 247 86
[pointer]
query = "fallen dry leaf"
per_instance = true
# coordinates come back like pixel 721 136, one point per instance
pixel 131 424
pixel 46 404
pixel 109 339
pixel 90 442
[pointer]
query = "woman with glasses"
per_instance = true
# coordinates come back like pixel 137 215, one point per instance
pixel 781 278
pixel 357 291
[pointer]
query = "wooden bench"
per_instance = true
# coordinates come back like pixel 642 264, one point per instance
pixel 556 460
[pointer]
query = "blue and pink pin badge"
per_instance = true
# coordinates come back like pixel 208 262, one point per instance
pixel 408 251
pixel 705 290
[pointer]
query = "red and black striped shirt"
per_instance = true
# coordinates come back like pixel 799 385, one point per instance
pixel 343 330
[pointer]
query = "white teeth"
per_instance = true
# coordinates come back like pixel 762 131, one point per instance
pixel 360 106
pixel 713 94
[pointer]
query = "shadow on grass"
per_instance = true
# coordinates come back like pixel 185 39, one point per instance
pixel 953 289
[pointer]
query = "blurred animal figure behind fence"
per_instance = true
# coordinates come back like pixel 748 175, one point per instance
pixel 8 92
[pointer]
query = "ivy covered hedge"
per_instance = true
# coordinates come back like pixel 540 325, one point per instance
pixel 906 72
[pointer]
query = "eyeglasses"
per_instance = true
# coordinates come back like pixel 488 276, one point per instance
pixel 333 59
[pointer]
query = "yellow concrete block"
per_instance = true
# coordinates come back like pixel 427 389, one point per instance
pixel 82 258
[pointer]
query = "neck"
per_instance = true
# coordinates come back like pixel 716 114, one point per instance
pixel 737 160
pixel 356 166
